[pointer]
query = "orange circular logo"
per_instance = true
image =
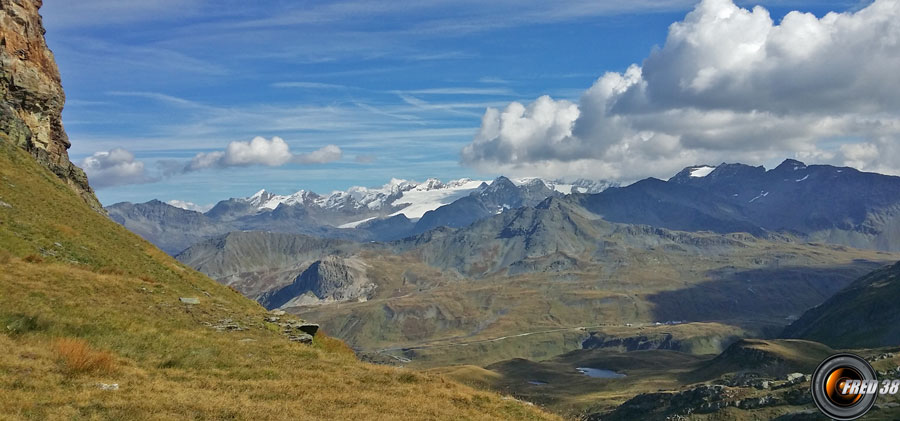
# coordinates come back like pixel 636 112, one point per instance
pixel 836 383
pixel 844 387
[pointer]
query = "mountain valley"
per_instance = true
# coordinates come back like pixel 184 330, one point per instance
pixel 515 287
pixel 712 295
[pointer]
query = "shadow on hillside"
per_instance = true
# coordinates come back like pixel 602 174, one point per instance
pixel 773 295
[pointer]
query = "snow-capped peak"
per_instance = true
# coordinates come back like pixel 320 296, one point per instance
pixel 399 185
pixel 702 171
pixel 457 183
pixel 430 184
pixel 260 198
pixel 405 197
pixel 191 206
pixel 578 186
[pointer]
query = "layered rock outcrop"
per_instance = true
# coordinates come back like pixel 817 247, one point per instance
pixel 31 94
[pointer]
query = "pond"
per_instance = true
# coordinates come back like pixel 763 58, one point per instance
pixel 599 373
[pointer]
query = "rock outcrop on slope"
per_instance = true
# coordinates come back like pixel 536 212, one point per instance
pixel 31 94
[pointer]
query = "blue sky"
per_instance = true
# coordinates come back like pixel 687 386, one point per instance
pixel 399 89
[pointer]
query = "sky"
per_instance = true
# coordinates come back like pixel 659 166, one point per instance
pixel 199 101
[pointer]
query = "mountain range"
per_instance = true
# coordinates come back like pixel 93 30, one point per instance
pixel 396 210
pixel 731 243
pixel 821 203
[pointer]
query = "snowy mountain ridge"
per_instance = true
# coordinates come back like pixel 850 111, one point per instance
pixel 410 198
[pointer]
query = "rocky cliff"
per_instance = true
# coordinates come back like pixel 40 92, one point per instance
pixel 31 94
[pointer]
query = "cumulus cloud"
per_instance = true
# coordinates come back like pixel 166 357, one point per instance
pixel 323 155
pixel 259 151
pixel 113 168
pixel 729 84
pixel 119 167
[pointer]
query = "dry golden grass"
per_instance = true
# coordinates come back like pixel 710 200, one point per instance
pixel 66 231
pixel 114 294
pixel 77 357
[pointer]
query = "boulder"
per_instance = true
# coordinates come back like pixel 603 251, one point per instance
pixel 309 328
pixel 303 338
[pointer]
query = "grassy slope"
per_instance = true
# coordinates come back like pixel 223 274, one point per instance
pixel 67 272
pixel 863 314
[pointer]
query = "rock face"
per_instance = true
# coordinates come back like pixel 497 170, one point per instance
pixel 328 280
pixel 31 94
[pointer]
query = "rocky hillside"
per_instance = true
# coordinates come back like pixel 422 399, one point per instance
pixel 486 280
pixel 259 262
pixel 31 95
pixel 332 279
pixel 174 229
pixel 502 194
pixel 864 314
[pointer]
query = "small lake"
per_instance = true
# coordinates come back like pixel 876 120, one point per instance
pixel 599 373
pixel 536 382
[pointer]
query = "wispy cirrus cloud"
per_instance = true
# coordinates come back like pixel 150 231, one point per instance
pixel 82 13
pixel 462 91
pixel 308 85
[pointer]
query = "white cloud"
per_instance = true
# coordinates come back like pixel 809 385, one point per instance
pixel 728 85
pixel 113 168
pixel 323 155
pixel 259 151
pixel 524 133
